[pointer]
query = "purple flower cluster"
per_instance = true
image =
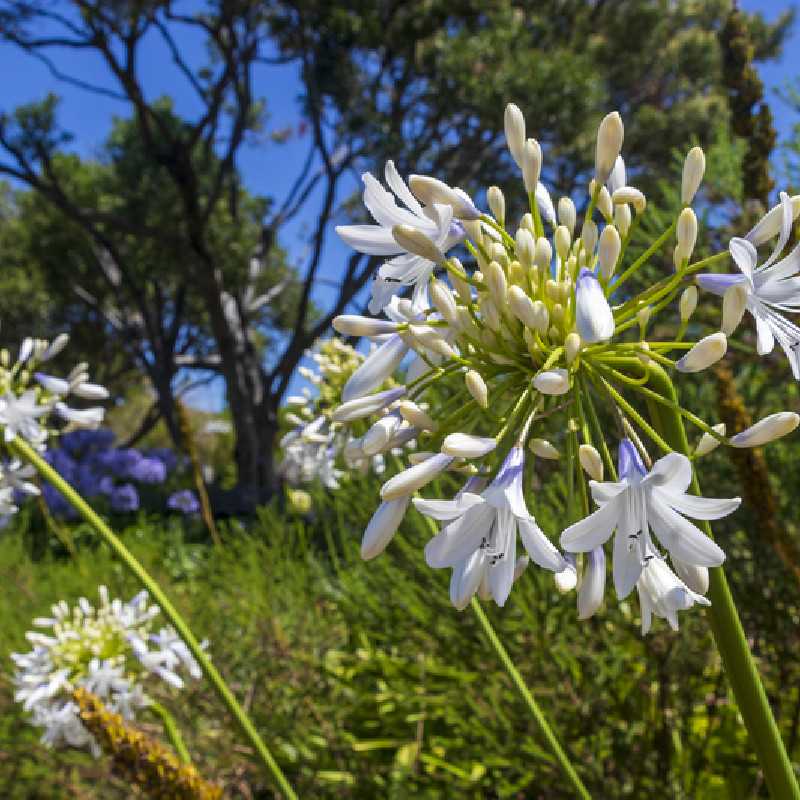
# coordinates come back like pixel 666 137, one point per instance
pixel 184 501
pixel 89 461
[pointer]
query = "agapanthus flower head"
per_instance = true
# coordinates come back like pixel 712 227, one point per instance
pixel 111 649
pixel 533 334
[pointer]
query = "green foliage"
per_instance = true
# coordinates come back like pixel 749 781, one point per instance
pixel 366 683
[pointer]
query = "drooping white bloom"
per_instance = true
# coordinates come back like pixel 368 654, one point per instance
pixel 663 594
pixel 481 531
pixel 404 269
pixel 641 502
pixel 593 316
pixel 81 417
pixel 770 288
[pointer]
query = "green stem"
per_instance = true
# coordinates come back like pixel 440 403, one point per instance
pixel 741 671
pixel 643 258
pixel 530 701
pixel 171 730
pixel 24 451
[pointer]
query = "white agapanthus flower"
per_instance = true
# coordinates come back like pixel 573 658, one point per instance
pixel 110 650
pixel 642 501
pixel 479 540
pixel 769 289
pixel 404 269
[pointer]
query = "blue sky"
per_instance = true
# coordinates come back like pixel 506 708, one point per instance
pixel 267 168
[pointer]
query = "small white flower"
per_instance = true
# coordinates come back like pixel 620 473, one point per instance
pixel 481 531
pixel 405 268
pixel 663 593
pixel 767 430
pixel 19 415
pixel 642 501
pixel 553 381
pixel 770 288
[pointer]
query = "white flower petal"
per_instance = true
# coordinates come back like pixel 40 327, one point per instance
pixel 538 546
pixel 594 530
pixel 375 369
pixel 683 539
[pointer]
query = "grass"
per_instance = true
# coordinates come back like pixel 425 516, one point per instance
pixel 367 684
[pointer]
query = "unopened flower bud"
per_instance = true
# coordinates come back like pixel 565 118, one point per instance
pixel 543 449
pixel 365 406
pixel 563 242
pixel 544 253
pixel 515 132
pixel 643 317
pixel 608 252
pixel 497 203
pixel 383 526
pixel 609 143
pixel 528 223
pixel 622 219
pixel 706 352
pixel 591 461
pixel 376 438
pixel 355 325
pixel 604 204
pixel 474 230
pixel 766 430
pixel 55 347
pixel 522 307
pixel 589 236
pixel 566 214
pixel 476 386
pixel 708 442
pixel 416 242
pixel 444 302
pixel 525 247
pixel 553 382
pixel 410 480
pixel 496 282
pixel 693 168
pixel 413 414
pixel 688 303
pixel 531 165
pixel 430 190
pixel 593 316
pixel 629 194
pixel 686 231
pixel 542 317
pixel 572 346
pixel 464 445
pixel 734 302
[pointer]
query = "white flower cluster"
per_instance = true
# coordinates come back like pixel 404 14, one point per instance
pixel 28 395
pixel 540 330
pixel 109 650
pixel 316 441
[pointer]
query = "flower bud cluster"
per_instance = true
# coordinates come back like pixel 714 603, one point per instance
pixel 531 327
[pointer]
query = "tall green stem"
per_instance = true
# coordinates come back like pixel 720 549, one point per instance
pixel 25 452
pixel 171 730
pixel 741 671
pixel 530 700
pixel 525 692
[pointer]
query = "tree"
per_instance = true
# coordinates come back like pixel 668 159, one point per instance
pixel 421 83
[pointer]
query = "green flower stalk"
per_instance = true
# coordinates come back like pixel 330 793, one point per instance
pixel 20 448
pixel 543 337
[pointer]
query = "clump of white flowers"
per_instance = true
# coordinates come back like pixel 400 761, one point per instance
pixel 29 395
pixel 318 438
pixel 522 331
pixel 111 650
